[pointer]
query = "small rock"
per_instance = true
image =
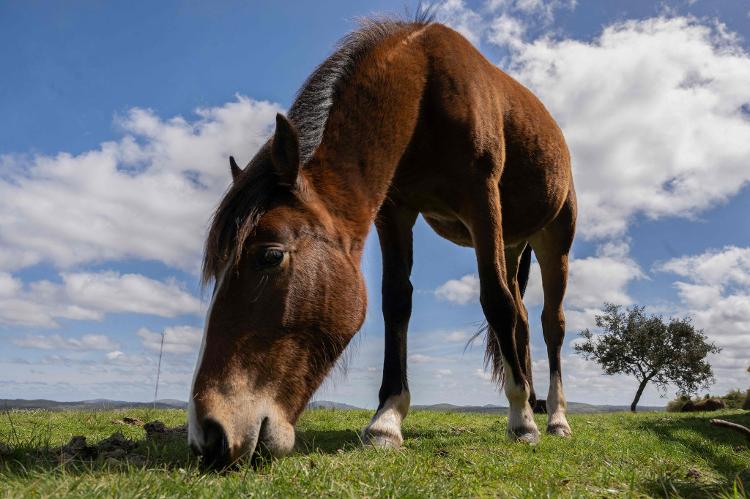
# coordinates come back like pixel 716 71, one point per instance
pixel 693 473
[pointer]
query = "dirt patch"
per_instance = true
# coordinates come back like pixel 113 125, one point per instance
pixel 128 421
pixel 156 430
pixel 117 448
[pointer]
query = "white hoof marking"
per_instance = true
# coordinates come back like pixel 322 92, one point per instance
pixel 384 430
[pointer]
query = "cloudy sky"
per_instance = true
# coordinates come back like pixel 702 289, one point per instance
pixel 118 120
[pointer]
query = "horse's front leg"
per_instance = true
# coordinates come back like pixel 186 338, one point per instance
pixel 498 304
pixel 394 227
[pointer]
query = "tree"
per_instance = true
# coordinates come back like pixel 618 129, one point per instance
pixel 650 349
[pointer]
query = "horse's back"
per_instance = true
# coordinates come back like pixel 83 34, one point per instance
pixel 477 121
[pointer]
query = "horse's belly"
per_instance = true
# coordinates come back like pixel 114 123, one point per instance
pixel 451 229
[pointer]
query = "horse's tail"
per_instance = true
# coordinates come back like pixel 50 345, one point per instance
pixel 523 269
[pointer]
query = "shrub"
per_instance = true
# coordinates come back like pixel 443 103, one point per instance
pixel 734 399
pixel 677 404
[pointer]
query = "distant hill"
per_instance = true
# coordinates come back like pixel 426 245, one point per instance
pixel 573 408
pixel 105 404
pixel 488 408
pixel 96 405
pixel 327 404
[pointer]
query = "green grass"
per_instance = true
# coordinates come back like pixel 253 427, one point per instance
pixel 446 454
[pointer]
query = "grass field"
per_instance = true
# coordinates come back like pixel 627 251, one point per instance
pixel 445 454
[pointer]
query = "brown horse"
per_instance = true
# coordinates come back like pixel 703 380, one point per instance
pixel 404 118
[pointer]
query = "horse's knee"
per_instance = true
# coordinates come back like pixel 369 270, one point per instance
pixel 553 325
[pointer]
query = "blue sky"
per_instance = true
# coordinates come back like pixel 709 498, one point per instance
pixel 111 110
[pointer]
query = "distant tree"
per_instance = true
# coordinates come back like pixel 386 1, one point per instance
pixel 649 349
pixel 746 405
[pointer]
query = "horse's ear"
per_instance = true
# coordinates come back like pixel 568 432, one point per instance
pixel 285 151
pixel 236 170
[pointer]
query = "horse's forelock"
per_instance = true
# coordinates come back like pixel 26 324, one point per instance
pixel 237 216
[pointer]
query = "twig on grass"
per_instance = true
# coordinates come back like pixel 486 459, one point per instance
pixel 744 430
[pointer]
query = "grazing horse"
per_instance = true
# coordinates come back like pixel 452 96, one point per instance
pixel 404 118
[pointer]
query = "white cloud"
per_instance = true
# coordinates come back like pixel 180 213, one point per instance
pixel 460 291
pixel 543 10
pixel 148 195
pixel 59 342
pixel 506 30
pixel 500 22
pixel 598 279
pixel 419 358
pixel 90 296
pixel 120 358
pixel 463 19
pixel 457 336
pixel 652 113
pixel 113 292
pixel 177 339
pixel 730 265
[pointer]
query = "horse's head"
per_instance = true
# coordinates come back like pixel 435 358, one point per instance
pixel 288 297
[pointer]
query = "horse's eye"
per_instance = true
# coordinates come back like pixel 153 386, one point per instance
pixel 269 257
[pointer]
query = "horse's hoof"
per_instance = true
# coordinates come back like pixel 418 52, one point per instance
pixel 559 430
pixel 381 440
pixel 524 435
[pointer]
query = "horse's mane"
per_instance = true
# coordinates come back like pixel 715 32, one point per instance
pixel 313 102
pixel 248 197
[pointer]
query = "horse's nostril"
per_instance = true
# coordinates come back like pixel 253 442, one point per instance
pixel 216 447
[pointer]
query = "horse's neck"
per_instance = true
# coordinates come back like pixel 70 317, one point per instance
pixel 367 133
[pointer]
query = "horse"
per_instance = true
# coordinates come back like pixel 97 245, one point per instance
pixel 404 118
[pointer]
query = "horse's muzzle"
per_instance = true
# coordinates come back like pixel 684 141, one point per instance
pixel 221 446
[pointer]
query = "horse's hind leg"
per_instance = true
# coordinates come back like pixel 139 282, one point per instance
pixel 394 227
pixel 498 304
pixel 551 246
